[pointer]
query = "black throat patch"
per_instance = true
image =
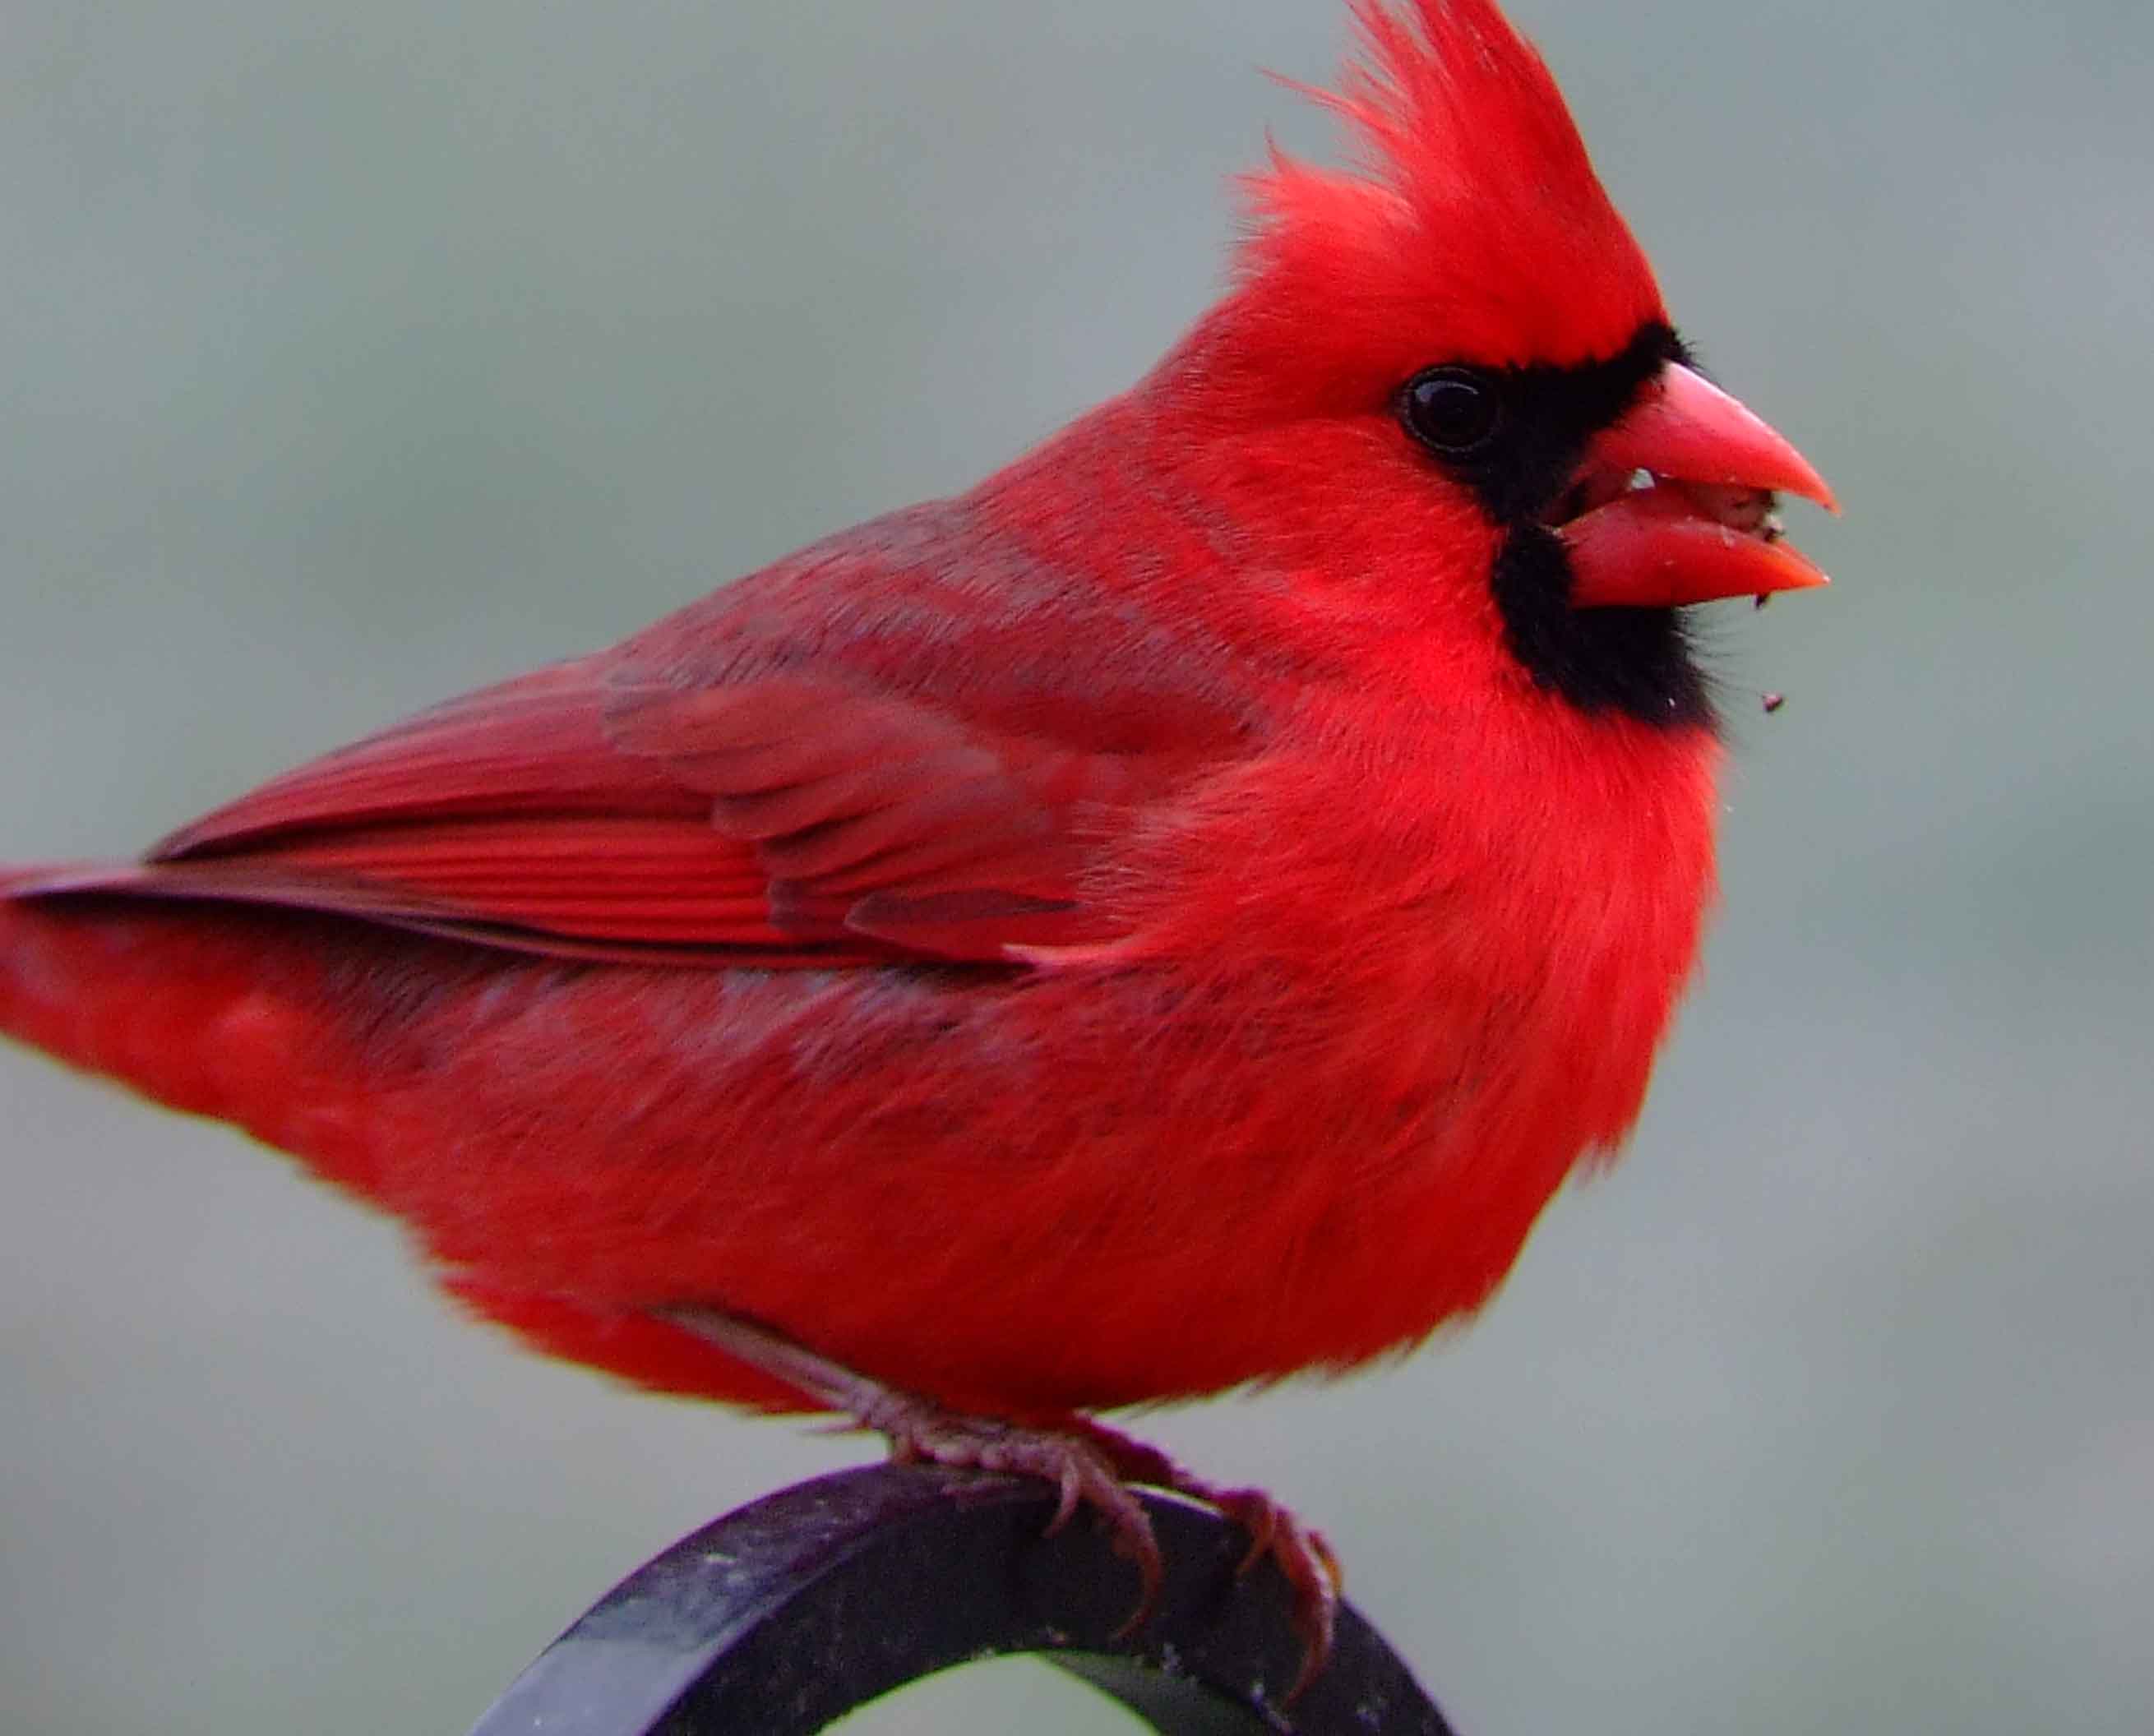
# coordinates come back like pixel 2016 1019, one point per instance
pixel 1634 661
pixel 1637 661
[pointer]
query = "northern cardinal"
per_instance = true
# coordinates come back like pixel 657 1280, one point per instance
pixel 1164 920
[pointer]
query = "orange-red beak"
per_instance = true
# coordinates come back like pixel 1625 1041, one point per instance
pixel 1676 503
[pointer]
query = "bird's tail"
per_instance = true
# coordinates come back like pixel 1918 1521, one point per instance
pixel 227 1010
pixel 172 1002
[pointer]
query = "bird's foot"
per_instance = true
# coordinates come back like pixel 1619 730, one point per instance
pixel 920 1431
pixel 1300 1551
pixel 1089 1465
pixel 1306 1559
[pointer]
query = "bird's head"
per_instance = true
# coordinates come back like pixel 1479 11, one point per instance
pixel 1466 338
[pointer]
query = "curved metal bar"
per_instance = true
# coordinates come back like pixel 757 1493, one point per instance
pixel 785 1615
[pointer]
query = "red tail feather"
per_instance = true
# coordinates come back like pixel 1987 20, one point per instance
pixel 179 1003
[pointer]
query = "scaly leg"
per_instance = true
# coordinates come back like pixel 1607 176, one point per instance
pixel 1089 1464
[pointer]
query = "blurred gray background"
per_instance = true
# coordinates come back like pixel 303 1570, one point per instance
pixel 351 356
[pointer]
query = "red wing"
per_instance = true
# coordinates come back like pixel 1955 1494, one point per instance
pixel 786 820
pixel 534 745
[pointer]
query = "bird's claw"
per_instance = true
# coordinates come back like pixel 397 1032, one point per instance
pixel 1087 1464
pixel 1082 1472
pixel 1302 1553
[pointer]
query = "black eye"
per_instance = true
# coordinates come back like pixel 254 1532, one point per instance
pixel 1453 411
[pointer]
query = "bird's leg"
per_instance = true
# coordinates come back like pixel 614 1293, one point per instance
pixel 1082 1469
pixel 1089 1464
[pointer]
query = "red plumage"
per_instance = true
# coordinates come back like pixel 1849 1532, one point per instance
pixel 1160 920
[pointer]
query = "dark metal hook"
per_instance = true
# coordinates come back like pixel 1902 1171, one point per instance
pixel 785 1615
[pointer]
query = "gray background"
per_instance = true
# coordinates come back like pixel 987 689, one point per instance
pixel 354 355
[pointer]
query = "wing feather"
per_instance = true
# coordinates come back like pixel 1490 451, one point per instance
pixel 785 821
pixel 863 754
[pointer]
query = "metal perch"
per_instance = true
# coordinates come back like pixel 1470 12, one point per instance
pixel 785 1615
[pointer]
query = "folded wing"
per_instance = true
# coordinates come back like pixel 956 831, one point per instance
pixel 786 820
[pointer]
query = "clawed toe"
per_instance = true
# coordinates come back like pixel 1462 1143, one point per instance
pixel 1303 1555
pixel 1087 1464
pixel 1082 1474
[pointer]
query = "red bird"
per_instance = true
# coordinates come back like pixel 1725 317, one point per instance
pixel 1164 920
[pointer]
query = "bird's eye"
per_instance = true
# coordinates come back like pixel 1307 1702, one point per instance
pixel 1452 411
